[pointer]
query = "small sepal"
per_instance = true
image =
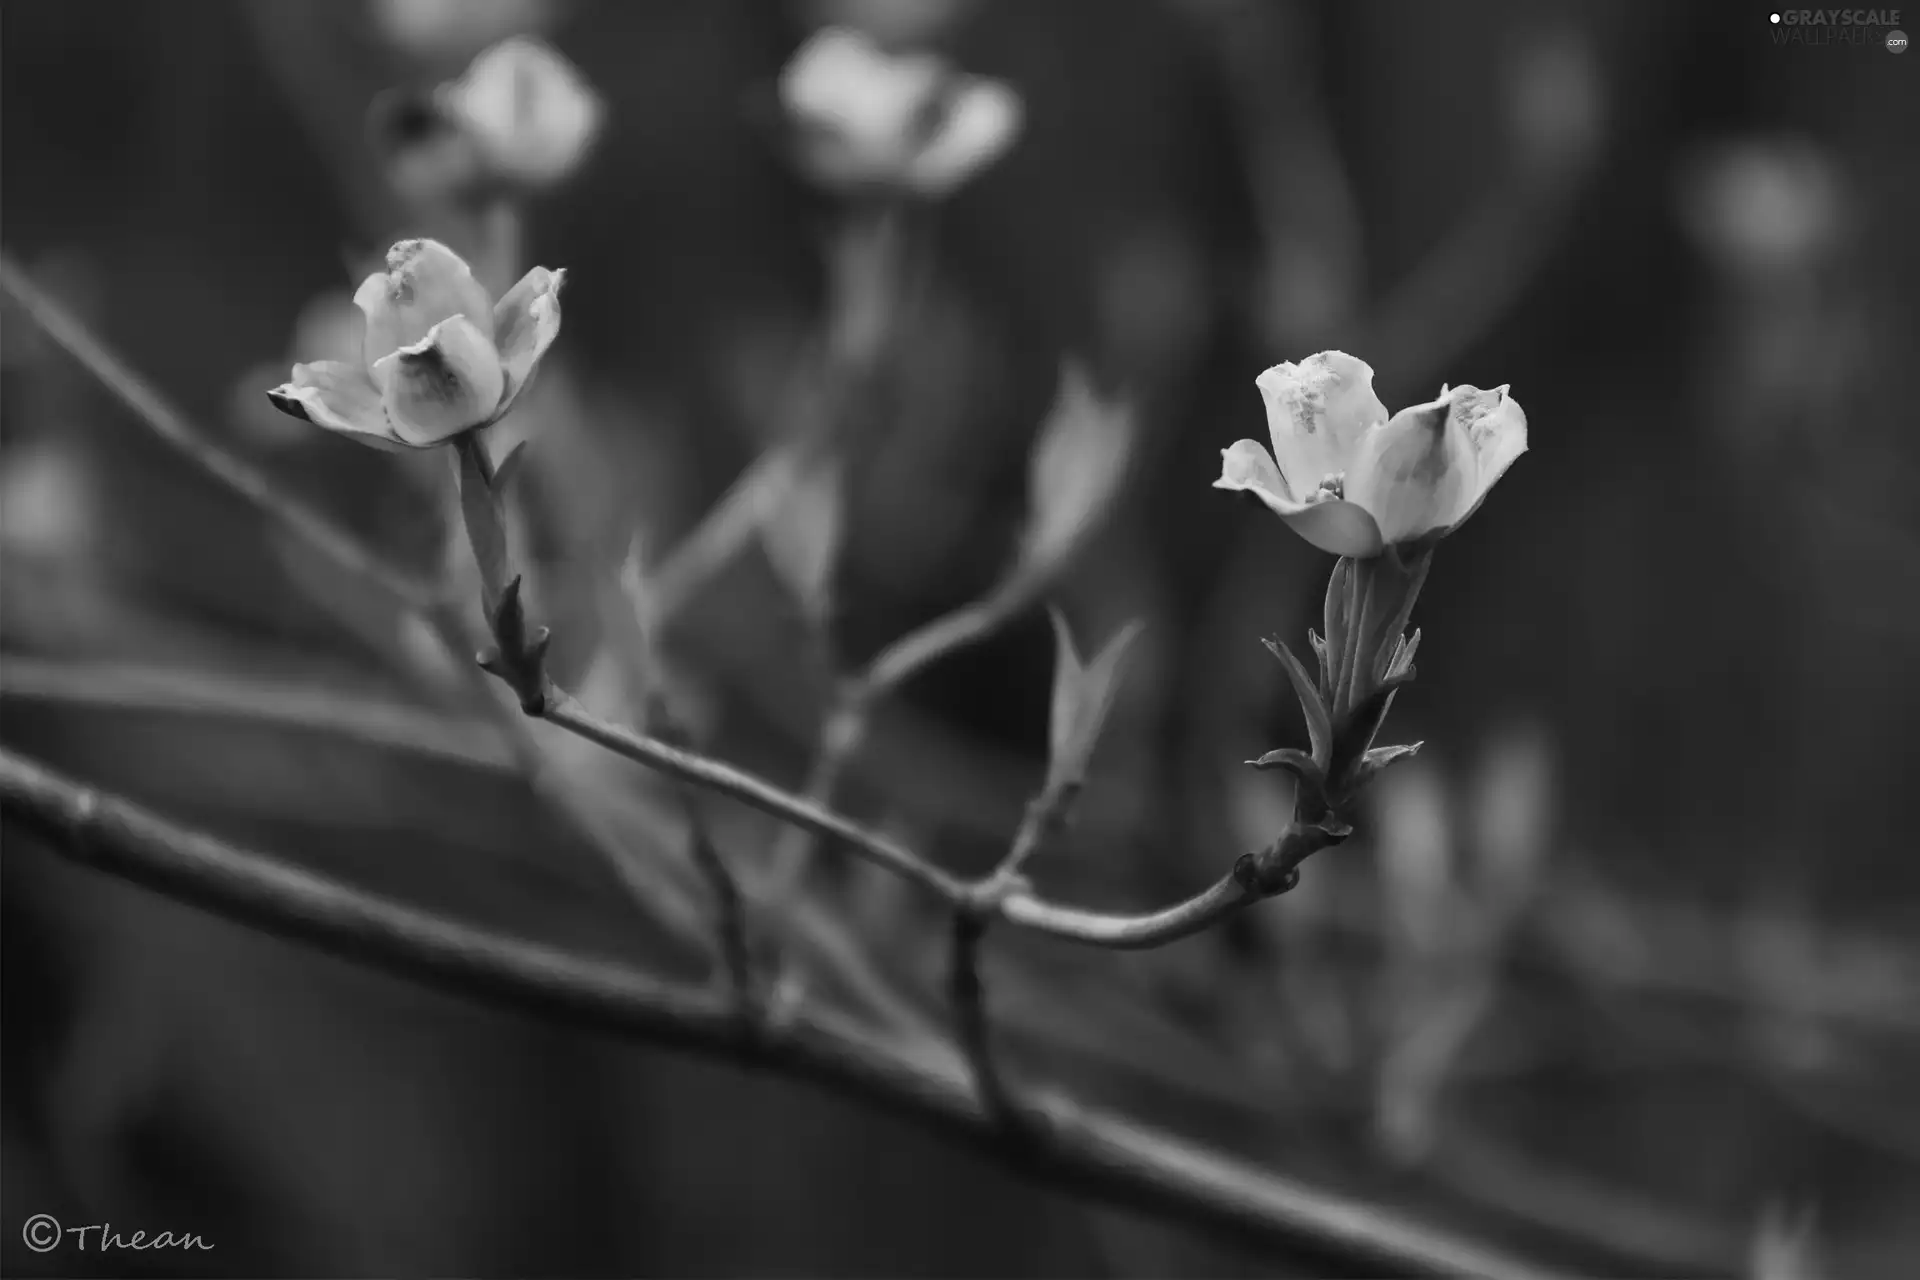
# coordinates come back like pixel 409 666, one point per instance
pixel 1084 691
pixel 508 467
pixel 517 657
pixel 1306 771
pixel 1377 760
pixel 1319 723
pixel 1356 732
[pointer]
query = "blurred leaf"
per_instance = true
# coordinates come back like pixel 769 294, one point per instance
pixel 1785 1244
pixel 1078 463
pixel 801 530
pixel 1083 694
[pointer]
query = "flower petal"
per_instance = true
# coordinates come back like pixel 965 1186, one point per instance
pixel 1331 524
pixel 448 382
pixel 525 323
pixel 339 397
pixel 981 122
pixel 424 283
pixel 1415 474
pixel 1318 412
pixel 1496 430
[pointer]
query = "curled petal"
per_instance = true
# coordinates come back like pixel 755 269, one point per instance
pixel 981 122
pixel 1415 474
pixel 1318 412
pixel 339 397
pixel 1496 431
pixel 424 283
pixel 526 321
pixel 448 382
pixel 1331 524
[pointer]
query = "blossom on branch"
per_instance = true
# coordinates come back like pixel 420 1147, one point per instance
pixel 1353 481
pixel 440 357
pixel 866 118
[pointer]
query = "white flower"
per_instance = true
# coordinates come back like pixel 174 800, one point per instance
pixel 529 111
pixel 869 118
pixel 440 357
pixel 1352 481
pixel 453 28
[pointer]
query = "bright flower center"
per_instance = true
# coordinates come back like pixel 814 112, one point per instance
pixel 1334 487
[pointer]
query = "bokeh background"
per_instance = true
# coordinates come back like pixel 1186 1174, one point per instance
pixel 1620 973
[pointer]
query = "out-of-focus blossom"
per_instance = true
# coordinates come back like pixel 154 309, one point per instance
pixel 1078 464
pixel 1513 816
pixel 1353 481
pixel 439 357
pixel 454 28
pixel 428 156
pixel 892 22
pixel 1763 206
pixel 1414 822
pixel 529 111
pixel 866 118
pixel 49 501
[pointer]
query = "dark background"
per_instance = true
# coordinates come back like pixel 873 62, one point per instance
pixel 1666 681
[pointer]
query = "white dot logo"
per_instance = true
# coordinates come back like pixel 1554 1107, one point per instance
pixel 1775 19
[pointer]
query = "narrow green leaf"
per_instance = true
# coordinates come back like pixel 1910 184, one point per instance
pixel 801 531
pixel 1319 724
pixel 1083 695
pixel 1377 760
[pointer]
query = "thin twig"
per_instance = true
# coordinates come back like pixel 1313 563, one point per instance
pixel 564 710
pixel 171 426
pixel 844 728
pixel 730 907
pixel 1020 907
pixel 443 615
pixel 969 998
pixel 1077 1149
